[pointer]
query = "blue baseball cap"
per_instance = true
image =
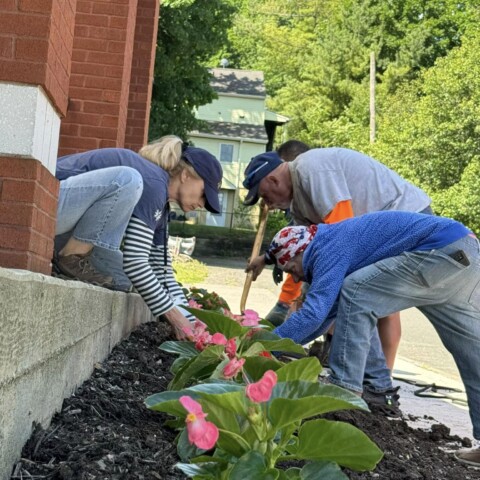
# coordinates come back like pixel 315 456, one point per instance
pixel 210 170
pixel 258 168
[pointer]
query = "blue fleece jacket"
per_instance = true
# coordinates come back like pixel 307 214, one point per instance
pixel 342 248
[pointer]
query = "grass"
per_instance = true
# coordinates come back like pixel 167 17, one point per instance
pixel 189 270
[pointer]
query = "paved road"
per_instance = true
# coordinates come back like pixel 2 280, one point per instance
pixel 420 343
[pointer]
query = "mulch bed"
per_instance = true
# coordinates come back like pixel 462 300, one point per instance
pixel 104 431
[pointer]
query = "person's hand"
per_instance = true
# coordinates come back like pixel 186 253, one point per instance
pixel 256 266
pixel 277 275
pixel 178 322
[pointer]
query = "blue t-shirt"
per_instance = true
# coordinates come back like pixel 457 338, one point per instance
pixel 339 249
pixel 152 208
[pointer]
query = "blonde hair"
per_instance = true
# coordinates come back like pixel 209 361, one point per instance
pixel 166 152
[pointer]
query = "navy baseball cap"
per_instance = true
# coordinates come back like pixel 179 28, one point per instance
pixel 258 168
pixel 210 170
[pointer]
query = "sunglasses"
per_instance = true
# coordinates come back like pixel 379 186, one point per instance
pixel 248 182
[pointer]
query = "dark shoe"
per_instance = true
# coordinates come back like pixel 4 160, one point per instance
pixel 384 403
pixel 79 267
pixel 278 313
pixel 470 457
pixel 321 350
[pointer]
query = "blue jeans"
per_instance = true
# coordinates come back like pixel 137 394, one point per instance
pixel 443 289
pixel 95 207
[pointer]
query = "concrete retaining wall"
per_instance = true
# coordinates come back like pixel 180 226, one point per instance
pixel 52 332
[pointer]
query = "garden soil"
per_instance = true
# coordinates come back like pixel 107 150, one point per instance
pixel 104 431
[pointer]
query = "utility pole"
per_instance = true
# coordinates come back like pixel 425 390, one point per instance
pixel 372 97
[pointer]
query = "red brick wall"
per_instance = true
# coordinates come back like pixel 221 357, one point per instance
pixel 142 74
pixel 36 38
pixel 99 82
pixel 28 204
pixel 94 59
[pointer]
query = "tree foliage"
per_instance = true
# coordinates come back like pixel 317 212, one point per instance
pixel 189 33
pixel 315 55
pixel 431 132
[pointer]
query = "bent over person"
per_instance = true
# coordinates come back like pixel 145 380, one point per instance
pixel 111 192
pixel 365 268
pixel 328 185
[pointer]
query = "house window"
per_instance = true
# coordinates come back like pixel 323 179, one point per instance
pixel 226 153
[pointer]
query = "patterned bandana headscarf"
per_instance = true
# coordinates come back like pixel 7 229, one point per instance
pixel 289 242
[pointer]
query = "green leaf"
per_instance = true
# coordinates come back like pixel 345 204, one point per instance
pixel 168 401
pixel 223 409
pixel 300 389
pixel 232 401
pixel 255 367
pixel 216 322
pixel 307 369
pixel 185 450
pixel 178 364
pixel 338 442
pixel 283 345
pixel 292 473
pixel 254 350
pixel 207 359
pixel 252 466
pixel 184 349
pixel 232 443
pixel 202 470
pixel 322 471
pixel 274 343
pixel 284 411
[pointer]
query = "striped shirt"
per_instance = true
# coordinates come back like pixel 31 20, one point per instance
pixel 148 265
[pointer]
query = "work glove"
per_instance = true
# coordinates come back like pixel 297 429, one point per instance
pixel 277 275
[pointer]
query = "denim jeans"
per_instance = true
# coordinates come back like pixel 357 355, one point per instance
pixel 443 289
pixel 95 207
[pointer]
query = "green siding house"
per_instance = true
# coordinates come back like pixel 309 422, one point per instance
pixel 237 126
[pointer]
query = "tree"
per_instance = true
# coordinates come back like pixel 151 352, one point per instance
pixel 190 32
pixel 431 132
pixel 315 55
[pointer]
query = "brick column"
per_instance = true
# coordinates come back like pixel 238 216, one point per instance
pixel 101 69
pixel 142 74
pixel 36 39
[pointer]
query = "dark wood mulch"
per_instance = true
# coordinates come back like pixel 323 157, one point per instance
pixel 104 431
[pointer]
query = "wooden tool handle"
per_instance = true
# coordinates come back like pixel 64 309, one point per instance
pixel 262 225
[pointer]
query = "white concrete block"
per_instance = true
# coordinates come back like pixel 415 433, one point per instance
pixel 29 124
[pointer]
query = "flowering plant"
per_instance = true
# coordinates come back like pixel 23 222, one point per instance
pixel 205 299
pixel 252 428
pixel 224 346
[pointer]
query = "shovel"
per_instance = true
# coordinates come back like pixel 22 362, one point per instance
pixel 262 225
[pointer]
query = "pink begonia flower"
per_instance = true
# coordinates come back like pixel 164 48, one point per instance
pixel 202 340
pixel 218 339
pixel 261 391
pixel 198 329
pixel 193 304
pixel 233 367
pixel 231 348
pixel 250 318
pixel 200 432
